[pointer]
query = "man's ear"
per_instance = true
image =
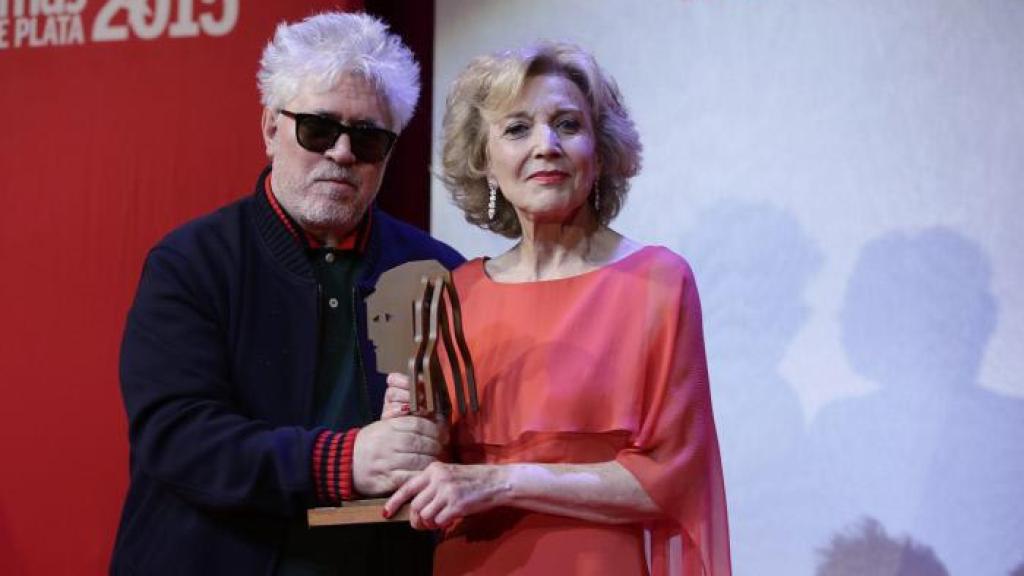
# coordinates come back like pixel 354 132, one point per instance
pixel 269 128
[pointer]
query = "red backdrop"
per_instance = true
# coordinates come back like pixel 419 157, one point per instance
pixel 104 147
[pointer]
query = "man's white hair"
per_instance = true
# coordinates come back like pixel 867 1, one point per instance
pixel 319 50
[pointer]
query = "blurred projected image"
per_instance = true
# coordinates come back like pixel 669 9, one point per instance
pixel 867 549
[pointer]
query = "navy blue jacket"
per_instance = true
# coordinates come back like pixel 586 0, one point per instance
pixel 218 365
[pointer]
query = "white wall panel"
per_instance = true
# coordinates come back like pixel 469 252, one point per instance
pixel 847 178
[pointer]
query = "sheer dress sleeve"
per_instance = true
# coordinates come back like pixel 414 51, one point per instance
pixel 675 454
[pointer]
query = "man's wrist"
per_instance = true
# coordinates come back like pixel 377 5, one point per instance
pixel 347 482
pixel 332 467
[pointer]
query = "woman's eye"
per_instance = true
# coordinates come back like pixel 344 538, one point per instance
pixel 569 125
pixel 516 130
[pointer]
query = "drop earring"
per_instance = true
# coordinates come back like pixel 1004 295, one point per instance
pixel 492 200
pixel 597 197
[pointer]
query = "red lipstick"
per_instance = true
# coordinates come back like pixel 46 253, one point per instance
pixel 549 176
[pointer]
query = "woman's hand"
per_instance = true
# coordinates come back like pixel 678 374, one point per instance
pixel 396 397
pixel 443 493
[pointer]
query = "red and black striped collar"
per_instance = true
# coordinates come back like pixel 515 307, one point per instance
pixel 356 240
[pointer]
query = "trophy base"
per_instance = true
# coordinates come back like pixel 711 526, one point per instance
pixel 355 512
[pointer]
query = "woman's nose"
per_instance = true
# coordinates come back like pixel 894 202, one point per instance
pixel 548 141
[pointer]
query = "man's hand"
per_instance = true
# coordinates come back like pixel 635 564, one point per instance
pixel 389 452
pixel 396 397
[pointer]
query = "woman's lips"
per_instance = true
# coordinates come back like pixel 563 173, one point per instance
pixel 549 177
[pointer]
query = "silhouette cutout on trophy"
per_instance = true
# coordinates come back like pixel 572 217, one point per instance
pixel 417 299
pixel 413 309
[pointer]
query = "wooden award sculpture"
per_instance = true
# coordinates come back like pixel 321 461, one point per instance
pixel 413 308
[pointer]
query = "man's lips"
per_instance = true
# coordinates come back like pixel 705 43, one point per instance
pixel 341 181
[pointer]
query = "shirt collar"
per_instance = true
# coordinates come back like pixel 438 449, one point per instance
pixel 354 241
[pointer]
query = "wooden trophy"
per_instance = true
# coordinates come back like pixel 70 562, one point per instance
pixel 413 308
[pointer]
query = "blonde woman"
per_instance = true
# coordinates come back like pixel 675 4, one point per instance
pixel 595 422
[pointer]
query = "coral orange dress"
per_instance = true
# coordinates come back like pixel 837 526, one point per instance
pixel 607 365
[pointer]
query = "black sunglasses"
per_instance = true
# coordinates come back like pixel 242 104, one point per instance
pixel 319 134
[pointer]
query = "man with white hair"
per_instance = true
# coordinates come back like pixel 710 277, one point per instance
pixel 249 381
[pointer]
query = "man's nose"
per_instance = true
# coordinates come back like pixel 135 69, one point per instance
pixel 341 152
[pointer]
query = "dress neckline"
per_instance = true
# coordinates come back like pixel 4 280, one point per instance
pixel 480 264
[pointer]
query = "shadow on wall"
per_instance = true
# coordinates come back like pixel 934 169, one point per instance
pixel 752 262
pixel 930 453
pixel 868 550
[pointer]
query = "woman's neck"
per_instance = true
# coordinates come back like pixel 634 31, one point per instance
pixel 553 250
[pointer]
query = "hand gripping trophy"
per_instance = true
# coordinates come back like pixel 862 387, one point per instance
pixel 413 311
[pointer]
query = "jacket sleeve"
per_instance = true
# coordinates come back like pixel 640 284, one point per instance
pixel 186 431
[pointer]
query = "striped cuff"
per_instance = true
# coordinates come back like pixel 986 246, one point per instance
pixel 332 466
pixel 347 483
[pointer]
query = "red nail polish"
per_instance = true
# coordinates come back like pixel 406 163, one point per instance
pixel 385 514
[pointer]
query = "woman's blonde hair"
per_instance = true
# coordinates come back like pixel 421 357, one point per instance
pixel 490 84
